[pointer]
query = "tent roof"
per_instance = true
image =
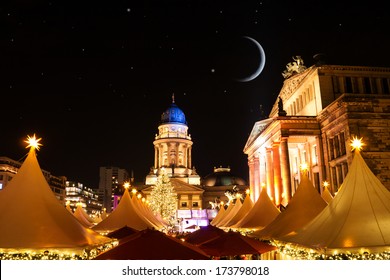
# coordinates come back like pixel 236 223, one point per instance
pixel 143 210
pixel 203 234
pixel 219 216
pixel 81 216
pixel 229 215
pixel 303 207
pixel 245 208
pixel 153 245
pixel 358 216
pixel 125 214
pixel 234 243
pixel 261 214
pixel 32 217
pixel 326 195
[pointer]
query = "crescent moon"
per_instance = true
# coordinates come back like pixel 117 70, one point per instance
pixel 261 64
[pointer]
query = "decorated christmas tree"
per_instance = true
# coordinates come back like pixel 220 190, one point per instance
pixel 163 198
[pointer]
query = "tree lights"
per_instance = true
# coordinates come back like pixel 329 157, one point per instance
pixel 163 198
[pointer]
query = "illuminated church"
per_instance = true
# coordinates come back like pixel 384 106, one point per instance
pixel 173 153
pixel 317 112
pixel 173 148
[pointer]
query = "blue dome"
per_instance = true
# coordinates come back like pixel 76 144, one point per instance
pixel 173 115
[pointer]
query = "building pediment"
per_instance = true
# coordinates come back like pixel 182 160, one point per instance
pixel 290 86
pixel 258 128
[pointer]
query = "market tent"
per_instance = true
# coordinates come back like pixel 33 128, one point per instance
pixel 261 214
pixel 32 218
pixel 357 217
pixel 234 243
pixel 304 206
pixel 122 232
pixel 125 214
pixel 82 216
pixel 234 208
pixel 203 235
pixel 326 195
pixel 244 210
pixel 143 210
pixel 219 215
pixel 152 244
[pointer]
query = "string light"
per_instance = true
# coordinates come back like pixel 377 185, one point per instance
pixel 297 252
pixel 57 254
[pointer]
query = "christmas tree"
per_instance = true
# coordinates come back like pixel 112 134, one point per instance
pixel 163 198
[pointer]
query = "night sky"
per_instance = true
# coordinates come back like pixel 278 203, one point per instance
pixel 92 78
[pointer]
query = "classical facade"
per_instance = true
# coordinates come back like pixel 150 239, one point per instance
pixel 319 110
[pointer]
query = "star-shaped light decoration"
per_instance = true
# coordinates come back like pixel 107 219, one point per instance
pixel 304 167
pixel 33 142
pixel 357 144
pixel 126 185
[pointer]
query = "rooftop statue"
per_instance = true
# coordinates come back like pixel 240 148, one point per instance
pixel 294 67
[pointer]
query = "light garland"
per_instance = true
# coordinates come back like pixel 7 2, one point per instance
pixel 297 252
pixel 57 254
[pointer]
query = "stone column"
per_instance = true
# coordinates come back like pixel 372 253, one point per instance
pixel 189 157
pixel 277 174
pixel 285 169
pixel 251 177
pixel 256 185
pixel 263 172
pixel 270 174
pixel 320 154
pixel 155 156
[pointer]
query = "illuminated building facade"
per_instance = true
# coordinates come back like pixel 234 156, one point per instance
pixel 218 184
pixel 172 152
pixel 111 180
pixel 78 193
pixel 173 148
pixel 9 167
pixel 317 113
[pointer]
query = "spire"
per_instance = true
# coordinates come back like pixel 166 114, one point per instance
pixel 173 97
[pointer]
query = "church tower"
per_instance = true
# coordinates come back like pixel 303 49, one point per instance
pixel 173 148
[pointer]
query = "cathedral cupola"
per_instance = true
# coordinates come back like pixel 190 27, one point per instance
pixel 173 114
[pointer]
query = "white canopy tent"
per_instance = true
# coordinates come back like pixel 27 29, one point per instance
pixel 125 214
pixel 306 204
pixel 356 220
pixel 33 219
pixel 260 215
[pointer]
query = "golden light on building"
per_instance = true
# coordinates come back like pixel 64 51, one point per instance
pixel 126 185
pixel 33 142
pixel 139 196
pixel 357 143
pixel 247 191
